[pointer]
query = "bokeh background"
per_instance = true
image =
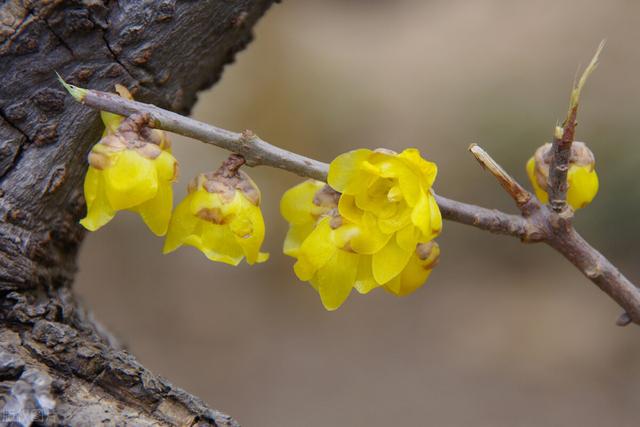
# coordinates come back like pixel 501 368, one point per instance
pixel 504 334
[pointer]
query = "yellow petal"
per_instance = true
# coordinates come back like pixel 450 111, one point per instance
pixel 426 169
pixel 156 212
pixel 407 238
pixel 167 166
pixel 421 214
pixel 295 237
pixel 296 205
pixel 318 247
pixel 344 167
pixel 415 274
pixel 371 239
pixel 364 279
pixel 181 226
pixel 394 223
pixel 436 215
pixel 348 209
pixel 131 181
pixel 336 279
pixel 389 262
pixel 248 229
pixel 99 211
pixel 540 193
pixel 583 186
pixel 219 244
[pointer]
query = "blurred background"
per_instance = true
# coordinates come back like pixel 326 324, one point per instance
pixel 504 334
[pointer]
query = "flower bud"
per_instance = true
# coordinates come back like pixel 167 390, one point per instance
pixel 221 217
pixel 127 172
pixel 582 179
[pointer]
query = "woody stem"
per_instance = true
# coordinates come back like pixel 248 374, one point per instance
pixel 536 223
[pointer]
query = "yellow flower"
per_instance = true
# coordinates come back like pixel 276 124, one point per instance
pixel 582 179
pixel 389 197
pixel 128 173
pixel 221 217
pixel 373 234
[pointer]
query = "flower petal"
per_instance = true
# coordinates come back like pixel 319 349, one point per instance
pixel 540 193
pixel 365 282
pixel 389 262
pixel 336 279
pixel 183 224
pixel 132 180
pixel 296 205
pixel 295 236
pixel 583 186
pixel 343 168
pixel 99 211
pixel 156 212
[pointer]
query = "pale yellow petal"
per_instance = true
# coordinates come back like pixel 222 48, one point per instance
pixel 182 225
pixel 336 279
pixel 156 212
pixel 371 239
pixel 344 167
pixel 583 186
pixel 219 244
pixel 389 262
pixel 167 166
pixel 248 229
pixel 364 279
pixel 296 205
pixel 131 181
pixel 295 237
pixel 540 193
pixel 99 211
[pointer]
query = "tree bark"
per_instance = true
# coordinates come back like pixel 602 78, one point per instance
pixel 57 365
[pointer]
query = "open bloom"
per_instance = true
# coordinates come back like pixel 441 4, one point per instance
pixel 221 217
pixel 389 197
pixel 129 172
pixel 582 179
pixel 376 233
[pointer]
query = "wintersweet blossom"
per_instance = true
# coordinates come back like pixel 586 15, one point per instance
pixel 582 179
pixel 129 171
pixel 221 217
pixel 372 226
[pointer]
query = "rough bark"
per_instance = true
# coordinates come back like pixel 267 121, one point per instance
pixel 54 359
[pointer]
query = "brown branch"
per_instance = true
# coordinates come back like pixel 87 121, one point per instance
pixel 563 138
pixel 537 222
pixel 510 185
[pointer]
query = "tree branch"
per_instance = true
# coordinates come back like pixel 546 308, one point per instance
pixel 510 185
pixel 537 222
pixel 561 146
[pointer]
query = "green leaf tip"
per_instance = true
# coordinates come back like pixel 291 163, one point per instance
pixel 577 88
pixel 78 93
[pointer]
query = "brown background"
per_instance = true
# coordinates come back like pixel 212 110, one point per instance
pixel 504 334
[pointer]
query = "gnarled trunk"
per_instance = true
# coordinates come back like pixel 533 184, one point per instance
pixel 54 359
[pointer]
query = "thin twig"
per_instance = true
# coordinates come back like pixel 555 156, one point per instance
pixel 513 188
pixel 563 138
pixel 541 224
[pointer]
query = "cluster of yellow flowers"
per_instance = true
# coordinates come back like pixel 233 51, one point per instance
pixel 132 168
pixel 372 225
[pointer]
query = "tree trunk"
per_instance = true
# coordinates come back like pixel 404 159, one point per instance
pixel 58 366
